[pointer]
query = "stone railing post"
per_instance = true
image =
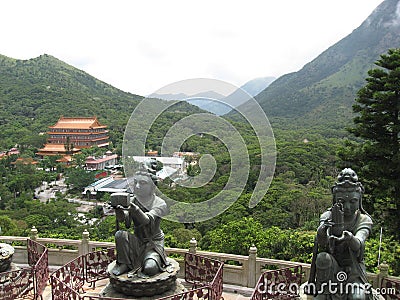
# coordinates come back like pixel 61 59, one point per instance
pixel 34 234
pixel 193 246
pixel 383 272
pixel 84 247
pixel 251 276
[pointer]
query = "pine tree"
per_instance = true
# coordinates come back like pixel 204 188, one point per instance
pixel 378 124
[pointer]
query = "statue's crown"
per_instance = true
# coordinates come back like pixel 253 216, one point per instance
pixel 348 180
pixel 347 174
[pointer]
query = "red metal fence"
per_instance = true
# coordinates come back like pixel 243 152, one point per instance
pixel 390 289
pixel 279 284
pixel 16 284
pixel 32 280
pixel 96 264
pixel 200 270
pixel 205 274
pixel 69 276
pixel 38 260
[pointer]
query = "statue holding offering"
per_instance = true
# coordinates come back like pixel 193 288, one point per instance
pixel 338 269
pixel 140 253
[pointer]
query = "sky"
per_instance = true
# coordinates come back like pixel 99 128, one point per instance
pixel 142 46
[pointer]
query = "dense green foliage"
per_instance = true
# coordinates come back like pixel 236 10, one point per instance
pixel 288 244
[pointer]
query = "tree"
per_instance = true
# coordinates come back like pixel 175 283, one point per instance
pixel 378 124
pixel 234 237
pixel 8 226
pixel 79 178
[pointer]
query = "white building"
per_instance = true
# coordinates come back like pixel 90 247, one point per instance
pixel 100 163
pixel 176 163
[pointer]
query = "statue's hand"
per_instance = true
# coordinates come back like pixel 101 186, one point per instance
pixel 322 229
pixel 346 236
pixel 333 238
pixel 133 207
pixel 119 213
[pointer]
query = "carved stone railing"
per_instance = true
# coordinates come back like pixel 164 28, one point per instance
pixel 30 280
pixel 239 270
pixel 281 284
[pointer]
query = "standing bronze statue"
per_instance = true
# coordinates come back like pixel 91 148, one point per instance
pixel 140 253
pixel 338 269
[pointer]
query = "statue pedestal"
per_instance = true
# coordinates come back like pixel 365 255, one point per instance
pixel 154 287
pixel 6 254
pixel 109 291
pixel 5 276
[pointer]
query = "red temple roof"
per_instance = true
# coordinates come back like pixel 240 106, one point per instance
pixel 78 123
pixel 54 149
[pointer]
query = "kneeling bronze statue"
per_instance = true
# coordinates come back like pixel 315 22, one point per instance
pixel 142 252
pixel 338 269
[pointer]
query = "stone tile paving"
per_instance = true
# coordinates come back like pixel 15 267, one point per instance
pixel 230 294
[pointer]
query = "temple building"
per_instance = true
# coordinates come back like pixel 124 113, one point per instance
pixel 69 135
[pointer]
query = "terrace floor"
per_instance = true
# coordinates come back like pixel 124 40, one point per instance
pixel 230 292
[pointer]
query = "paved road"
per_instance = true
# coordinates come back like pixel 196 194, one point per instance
pixel 48 190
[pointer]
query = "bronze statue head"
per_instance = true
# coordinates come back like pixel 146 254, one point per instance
pixel 145 179
pixel 348 189
pixel 148 168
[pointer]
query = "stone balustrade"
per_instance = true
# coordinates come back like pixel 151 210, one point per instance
pixel 239 270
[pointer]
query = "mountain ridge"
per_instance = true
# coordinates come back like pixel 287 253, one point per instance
pixel 219 104
pixel 325 88
pixel 34 93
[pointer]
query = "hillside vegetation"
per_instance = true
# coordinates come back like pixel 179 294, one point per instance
pixel 34 93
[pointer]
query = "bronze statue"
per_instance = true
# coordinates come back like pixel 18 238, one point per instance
pixel 338 269
pixel 141 253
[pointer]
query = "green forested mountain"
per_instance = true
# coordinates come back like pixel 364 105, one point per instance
pixel 34 93
pixel 321 94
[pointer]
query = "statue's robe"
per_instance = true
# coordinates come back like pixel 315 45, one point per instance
pixel 147 241
pixel 345 259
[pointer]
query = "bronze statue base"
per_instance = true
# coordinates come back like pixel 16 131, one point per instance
pixel 143 287
pixel 5 276
pixel 6 254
